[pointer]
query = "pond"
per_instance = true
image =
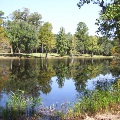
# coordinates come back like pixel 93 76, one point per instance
pixel 55 80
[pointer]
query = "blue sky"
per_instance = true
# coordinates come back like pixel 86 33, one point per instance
pixel 60 13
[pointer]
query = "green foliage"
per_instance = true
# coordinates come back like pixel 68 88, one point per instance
pixel 61 73
pixel 22 30
pixel 62 42
pixel 18 100
pixel 1 14
pixel 18 105
pixel 105 46
pixel 46 36
pixel 101 3
pixel 109 20
pixel 116 51
pixel 34 19
pixel 96 102
pixel 115 65
pixel 70 46
pixel 73 50
pixel 22 36
pixel 44 79
pixel 4 44
pixel 93 44
pixel 82 36
pixel 1 22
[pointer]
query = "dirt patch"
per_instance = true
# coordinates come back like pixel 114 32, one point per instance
pixel 108 117
pixel 104 117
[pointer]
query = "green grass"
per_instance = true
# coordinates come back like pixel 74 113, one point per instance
pixel 51 55
pixel 18 106
pixel 58 55
pixel 43 54
pixel 95 102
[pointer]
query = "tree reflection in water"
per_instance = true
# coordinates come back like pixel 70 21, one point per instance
pixel 35 75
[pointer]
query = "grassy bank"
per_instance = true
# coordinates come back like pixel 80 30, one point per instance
pixel 96 102
pixel 50 55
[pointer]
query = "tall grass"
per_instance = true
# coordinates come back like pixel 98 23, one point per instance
pixel 19 105
pixel 98 101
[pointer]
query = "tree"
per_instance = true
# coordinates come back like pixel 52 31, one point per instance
pixel 22 29
pixel 81 35
pixel 105 45
pixel 109 20
pixel 25 15
pixel 20 15
pixel 101 3
pixel 1 22
pixel 93 44
pixel 46 37
pixel 4 44
pixel 61 42
pixel 69 39
pixel 22 36
pixel 73 45
pixel 34 19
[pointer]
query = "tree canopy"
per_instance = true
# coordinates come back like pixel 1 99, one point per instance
pixel 22 30
pixel 109 20
pixel 82 36
pixel 1 22
pixel 62 45
pixel 46 36
pixel 22 36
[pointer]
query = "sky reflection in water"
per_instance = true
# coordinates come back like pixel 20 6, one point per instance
pixel 63 80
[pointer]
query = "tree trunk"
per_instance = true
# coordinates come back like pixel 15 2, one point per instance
pixel 66 52
pixel 36 50
pixel 11 49
pixel 46 63
pixel 42 63
pixel 92 54
pixel 18 50
pixel 83 49
pixel 42 48
pixel 92 60
pixel 11 64
pixel 72 60
pixel 46 53
pixel 119 41
pixel 119 47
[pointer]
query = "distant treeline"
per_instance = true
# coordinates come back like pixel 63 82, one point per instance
pixel 25 32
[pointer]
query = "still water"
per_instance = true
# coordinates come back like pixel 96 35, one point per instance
pixel 55 80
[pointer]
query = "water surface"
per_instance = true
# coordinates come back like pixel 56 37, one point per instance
pixel 55 80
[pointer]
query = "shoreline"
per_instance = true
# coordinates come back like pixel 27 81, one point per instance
pixel 57 57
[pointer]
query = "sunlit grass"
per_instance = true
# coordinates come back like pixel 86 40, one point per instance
pixel 43 54
pixel 95 102
pixel 58 55
pixel 51 55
